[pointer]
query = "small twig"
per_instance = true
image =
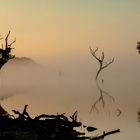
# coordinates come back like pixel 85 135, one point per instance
pixel 74 116
pixel 24 115
pixel 6 41
pixel 12 43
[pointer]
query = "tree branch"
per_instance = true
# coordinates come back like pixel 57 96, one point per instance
pixel 6 41
pixel 102 64
pixel 5 55
pixel 12 43
pixel 101 137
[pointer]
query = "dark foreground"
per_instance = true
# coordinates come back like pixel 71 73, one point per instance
pixel 44 127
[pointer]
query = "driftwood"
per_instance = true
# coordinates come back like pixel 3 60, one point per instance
pixel 44 126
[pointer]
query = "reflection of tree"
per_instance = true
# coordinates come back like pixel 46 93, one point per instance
pixel 101 98
pixel 102 92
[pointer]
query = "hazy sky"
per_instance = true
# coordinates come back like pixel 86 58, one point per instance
pixel 58 29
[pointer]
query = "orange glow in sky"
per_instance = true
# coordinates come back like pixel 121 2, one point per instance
pixel 52 29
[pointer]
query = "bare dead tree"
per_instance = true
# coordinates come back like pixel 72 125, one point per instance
pixel 102 64
pixel 5 53
pixel 103 93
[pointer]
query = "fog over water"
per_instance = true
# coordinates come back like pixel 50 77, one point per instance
pixel 65 88
pixel 59 77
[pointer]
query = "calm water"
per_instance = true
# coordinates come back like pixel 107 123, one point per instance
pixel 52 91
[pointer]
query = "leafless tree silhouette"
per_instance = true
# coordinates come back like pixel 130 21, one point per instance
pixel 102 64
pixel 103 93
pixel 5 55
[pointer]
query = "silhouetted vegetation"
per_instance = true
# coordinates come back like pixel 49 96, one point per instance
pixel 5 52
pixel 44 127
pixel 138 46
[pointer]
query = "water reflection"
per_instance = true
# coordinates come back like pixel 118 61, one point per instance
pixel 101 99
pixel 102 93
pixel 47 92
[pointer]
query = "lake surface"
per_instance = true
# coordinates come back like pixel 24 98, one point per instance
pixel 63 92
